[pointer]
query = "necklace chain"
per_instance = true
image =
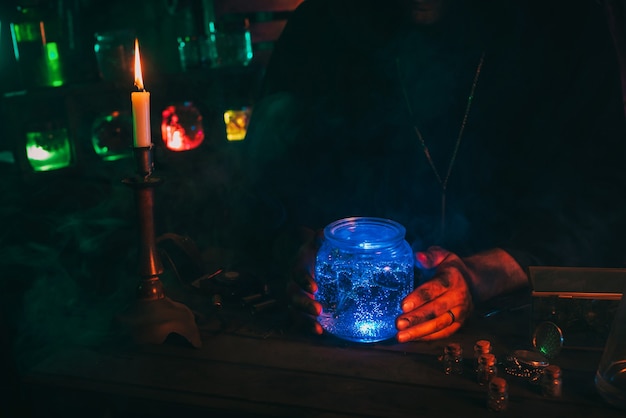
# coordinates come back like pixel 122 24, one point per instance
pixel 443 182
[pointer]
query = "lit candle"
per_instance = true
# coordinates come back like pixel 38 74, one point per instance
pixel 141 107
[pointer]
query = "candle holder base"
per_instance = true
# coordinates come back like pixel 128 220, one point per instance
pixel 152 321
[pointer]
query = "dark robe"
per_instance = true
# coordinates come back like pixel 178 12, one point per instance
pixel 539 165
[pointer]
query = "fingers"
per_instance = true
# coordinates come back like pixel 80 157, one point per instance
pixel 304 271
pixel 303 309
pixel 305 281
pixel 302 300
pixel 437 308
pixel 303 322
pixel 431 258
pixel 440 326
pixel 430 291
pixel 444 333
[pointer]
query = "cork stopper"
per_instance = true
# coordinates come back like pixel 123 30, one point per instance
pixel 454 349
pixel 487 359
pixel 482 346
pixel 498 384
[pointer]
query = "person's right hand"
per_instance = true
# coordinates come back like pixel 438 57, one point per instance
pixel 440 306
pixel 301 287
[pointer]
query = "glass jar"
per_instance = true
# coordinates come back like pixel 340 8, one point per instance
pixel 480 347
pixel 230 43
pixel 364 268
pixel 115 55
pixel 498 395
pixel 610 377
pixel 551 383
pixel 487 368
pixel 38 44
pixel 453 359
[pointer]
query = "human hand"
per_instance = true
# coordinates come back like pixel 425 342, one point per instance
pixel 438 308
pixel 301 288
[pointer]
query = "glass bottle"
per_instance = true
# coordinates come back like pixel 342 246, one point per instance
pixel 230 43
pixel 498 395
pixel 487 369
pixel 115 55
pixel 610 377
pixel 36 32
pixel 453 359
pixel 551 382
pixel 364 268
pixel 480 347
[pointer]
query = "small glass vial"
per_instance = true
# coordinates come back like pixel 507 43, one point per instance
pixel 487 368
pixel 498 394
pixel 480 347
pixel 551 383
pixel 453 359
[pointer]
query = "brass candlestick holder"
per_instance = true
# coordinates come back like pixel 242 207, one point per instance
pixel 153 316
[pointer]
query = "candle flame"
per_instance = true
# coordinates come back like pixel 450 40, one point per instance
pixel 138 76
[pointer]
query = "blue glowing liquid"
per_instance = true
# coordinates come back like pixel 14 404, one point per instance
pixel 361 300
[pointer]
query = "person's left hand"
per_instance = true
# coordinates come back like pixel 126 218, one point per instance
pixel 438 308
pixel 301 287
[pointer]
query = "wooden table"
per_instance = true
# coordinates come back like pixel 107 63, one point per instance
pixel 254 365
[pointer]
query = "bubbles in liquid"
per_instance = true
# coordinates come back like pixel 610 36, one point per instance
pixel 361 302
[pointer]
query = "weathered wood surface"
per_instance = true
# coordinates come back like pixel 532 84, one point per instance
pixel 251 367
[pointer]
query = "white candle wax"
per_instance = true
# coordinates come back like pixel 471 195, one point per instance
pixel 141 106
pixel 141 118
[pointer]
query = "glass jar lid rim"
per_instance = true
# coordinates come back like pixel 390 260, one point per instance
pixel 365 232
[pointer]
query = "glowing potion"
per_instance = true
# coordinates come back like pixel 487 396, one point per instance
pixel 364 269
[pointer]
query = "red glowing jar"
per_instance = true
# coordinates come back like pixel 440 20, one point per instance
pixel 181 127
